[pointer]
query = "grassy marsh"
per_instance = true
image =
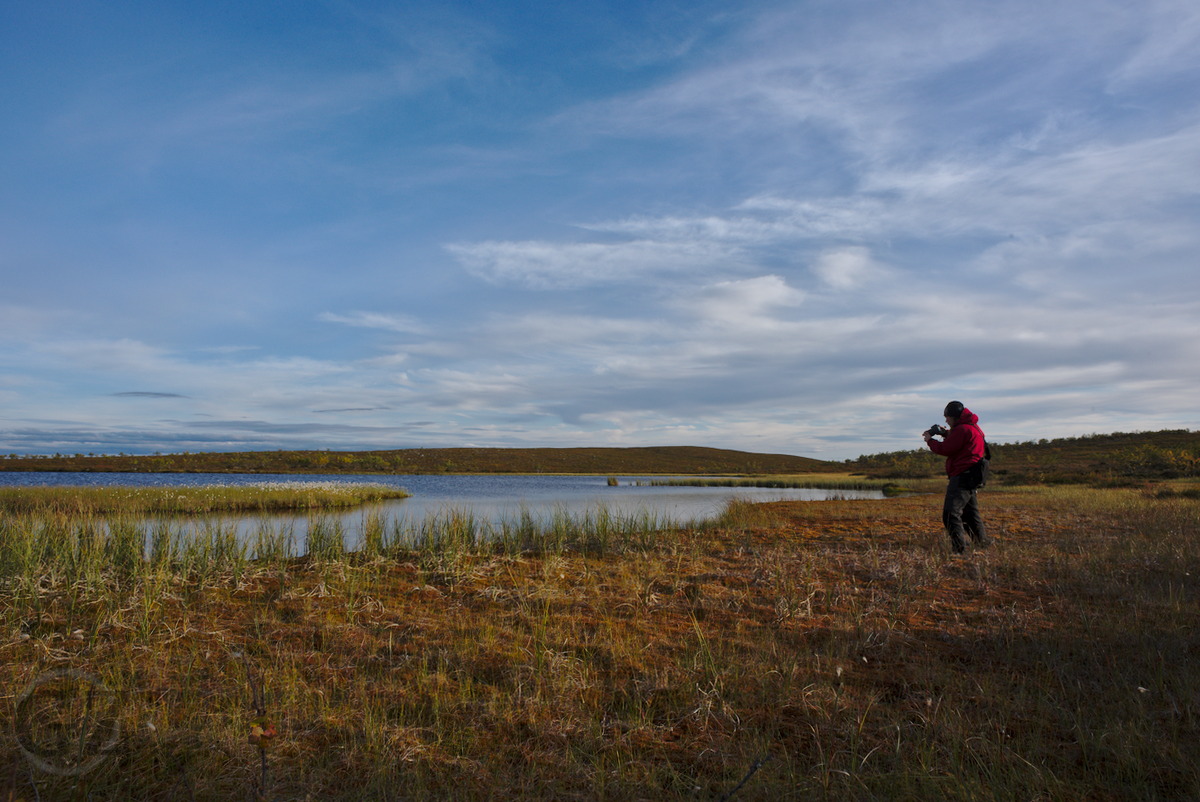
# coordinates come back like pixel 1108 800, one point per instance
pixel 835 646
pixel 819 481
pixel 75 500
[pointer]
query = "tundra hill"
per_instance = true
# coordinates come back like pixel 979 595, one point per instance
pixel 1118 458
pixel 651 460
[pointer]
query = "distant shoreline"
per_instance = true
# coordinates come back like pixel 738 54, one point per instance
pixel 664 460
pixel 1119 458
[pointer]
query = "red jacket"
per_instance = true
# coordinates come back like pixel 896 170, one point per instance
pixel 963 446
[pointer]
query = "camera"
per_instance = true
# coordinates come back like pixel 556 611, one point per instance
pixel 937 429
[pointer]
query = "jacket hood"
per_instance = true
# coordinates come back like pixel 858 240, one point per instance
pixel 968 417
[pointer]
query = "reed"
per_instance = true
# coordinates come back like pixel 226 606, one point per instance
pixel 326 539
pixel 273 544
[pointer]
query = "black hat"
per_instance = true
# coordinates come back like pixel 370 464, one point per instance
pixel 953 410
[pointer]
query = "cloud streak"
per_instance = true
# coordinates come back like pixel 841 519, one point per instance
pixel 550 265
pixel 146 394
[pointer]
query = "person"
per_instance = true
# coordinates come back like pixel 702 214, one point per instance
pixel 962 445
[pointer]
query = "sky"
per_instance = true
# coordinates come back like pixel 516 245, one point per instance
pixel 785 227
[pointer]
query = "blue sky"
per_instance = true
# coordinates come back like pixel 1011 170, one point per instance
pixel 795 227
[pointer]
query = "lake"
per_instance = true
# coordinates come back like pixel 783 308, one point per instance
pixel 490 498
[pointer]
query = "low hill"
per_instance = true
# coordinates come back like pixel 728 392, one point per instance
pixel 1118 458
pixel 652 460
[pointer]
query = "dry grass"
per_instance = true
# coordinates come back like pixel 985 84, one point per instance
pixel 837 646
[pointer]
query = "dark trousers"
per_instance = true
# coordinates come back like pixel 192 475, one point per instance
pixel 961 513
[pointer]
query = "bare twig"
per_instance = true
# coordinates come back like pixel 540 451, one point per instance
pixel 758 764
pixel 261 732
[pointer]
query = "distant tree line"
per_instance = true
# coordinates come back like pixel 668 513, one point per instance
pixel 1118 458
pixel 650 460
pixel 1098 458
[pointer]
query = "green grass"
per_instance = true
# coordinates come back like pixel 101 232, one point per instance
pixel 199 500
pixel 817 481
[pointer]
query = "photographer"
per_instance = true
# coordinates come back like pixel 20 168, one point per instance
pixel 963 447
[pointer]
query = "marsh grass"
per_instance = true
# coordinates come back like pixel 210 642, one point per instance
pixel 598 530
pixel 199 500
pixel 837 646
pixel 815 481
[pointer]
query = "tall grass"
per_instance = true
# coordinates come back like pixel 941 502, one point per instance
pixel 597 530
pixel 84 544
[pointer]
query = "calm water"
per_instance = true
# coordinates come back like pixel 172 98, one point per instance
pixel 490 498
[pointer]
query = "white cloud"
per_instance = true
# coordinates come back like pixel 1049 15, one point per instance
pixel 549 265
pixel 746 304
pixel 847 268
pixel 781 218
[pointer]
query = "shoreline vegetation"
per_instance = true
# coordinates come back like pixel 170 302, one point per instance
pixel 831 650
pixel 592 461
pixel 817 481
pixel 200 500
